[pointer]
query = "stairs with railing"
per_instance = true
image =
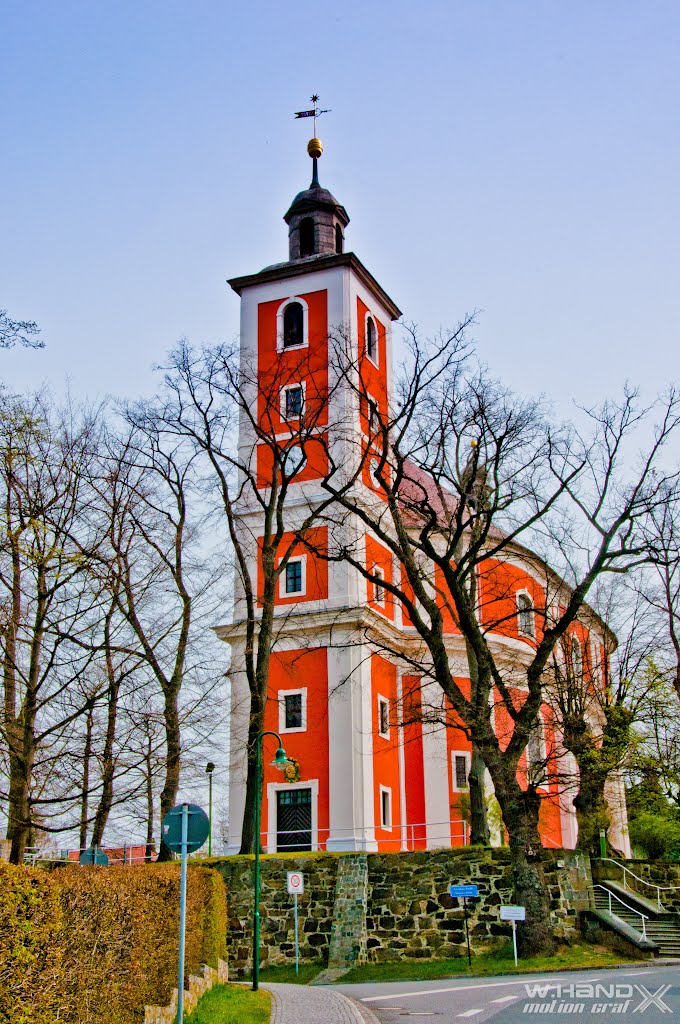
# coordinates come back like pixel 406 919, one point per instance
pixel 648 918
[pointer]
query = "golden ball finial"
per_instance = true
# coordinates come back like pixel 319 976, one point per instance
pixel 314 147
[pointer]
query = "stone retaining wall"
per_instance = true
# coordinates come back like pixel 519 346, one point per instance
pixel 409 912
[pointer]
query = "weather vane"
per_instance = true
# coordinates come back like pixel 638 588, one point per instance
pixel 315 112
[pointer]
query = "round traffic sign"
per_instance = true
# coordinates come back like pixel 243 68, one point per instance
pixel 198 826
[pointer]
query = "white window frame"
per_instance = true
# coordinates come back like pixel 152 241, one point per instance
pixel 371 402
pixel 522 632
pixel 272 789
pixel 383 701
pixel 386 791
pixel 373 467
pixel 377 570
pixel 454 786
pixel 280 347
pixel 542 759
pixel 376 361
pixel 574 643
pixel 293 692
pixel 284 576
pixel 284 392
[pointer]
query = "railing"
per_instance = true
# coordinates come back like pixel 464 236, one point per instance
pixel 133 853
pixel 643 881
pixel 611 896
pixel 411 836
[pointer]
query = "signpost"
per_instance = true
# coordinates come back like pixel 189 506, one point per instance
pixel 513 914
pixel 465 892
pixel 185 828
pixel 295 883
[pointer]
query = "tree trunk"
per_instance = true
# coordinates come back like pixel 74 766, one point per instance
pixel 255 727
pixel 173 750
pixel 84 795
pixel 108 759
pixel 149 801
pixel 479 825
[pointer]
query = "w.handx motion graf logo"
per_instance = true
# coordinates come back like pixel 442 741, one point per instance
pixel 584 998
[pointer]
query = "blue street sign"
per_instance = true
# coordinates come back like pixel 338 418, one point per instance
pixel 94 855
pixel 464 891
pixel 198 826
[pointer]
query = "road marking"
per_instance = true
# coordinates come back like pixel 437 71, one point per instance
pixel 466 988
pixel 469 1013
pixel 503 999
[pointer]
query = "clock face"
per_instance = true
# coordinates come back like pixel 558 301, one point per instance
pixel 294 460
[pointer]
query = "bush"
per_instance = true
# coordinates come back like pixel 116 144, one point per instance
pixel 106 939
pixel 657 835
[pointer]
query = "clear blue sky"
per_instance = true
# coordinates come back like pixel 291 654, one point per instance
pixel 520 157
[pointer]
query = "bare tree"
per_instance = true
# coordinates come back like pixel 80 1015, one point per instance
pixel 22 332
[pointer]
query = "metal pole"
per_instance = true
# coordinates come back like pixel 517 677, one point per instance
pixel 210 814
pixel 297 944
pixel 514 940
pixel 256 918
pixel 603 844
pixel 467 933
pixel 182 913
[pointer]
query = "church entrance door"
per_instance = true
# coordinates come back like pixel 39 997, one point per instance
pixel 293 820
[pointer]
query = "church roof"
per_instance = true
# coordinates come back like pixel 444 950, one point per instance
pixel 311 199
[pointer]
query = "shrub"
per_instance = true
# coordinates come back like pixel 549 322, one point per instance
pixel 657 835
pixel 97 944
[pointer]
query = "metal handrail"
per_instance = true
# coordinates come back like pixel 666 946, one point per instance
pixel 644 881
pixel 611 895
pixel 405 833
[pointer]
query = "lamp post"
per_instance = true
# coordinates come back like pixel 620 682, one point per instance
pixel 210 768
pixel 280 761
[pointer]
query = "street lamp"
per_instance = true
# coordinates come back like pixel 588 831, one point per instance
pixel 280 761
pixel 210 768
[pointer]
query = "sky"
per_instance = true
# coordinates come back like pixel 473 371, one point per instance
pixel 518 157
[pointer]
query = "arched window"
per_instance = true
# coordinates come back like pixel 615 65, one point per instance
pixel 576 657
pixel 525 615
pixel 293 325
pixel 338 238
pixel 307 237
pixel 371 339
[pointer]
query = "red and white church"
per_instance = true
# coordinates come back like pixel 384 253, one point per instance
pixel 366 782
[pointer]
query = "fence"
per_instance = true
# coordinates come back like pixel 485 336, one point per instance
pixel 412 836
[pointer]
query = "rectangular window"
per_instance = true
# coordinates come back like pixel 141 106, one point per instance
pixel 294 576
pixel 293 710
pixel 383 717
pixel 294 402
pixel 378 589
pixel 385 807
pixel 373 414
pixel 459 765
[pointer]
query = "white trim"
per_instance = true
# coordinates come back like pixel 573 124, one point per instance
pixel 520 631
pixel 372 402
pixel 386 790
pixel 284 401
pixel 455 788
pixel 283 592
pixel 386 701
pixel 272 790
pixel 280 347
pixel 369 316
pixel 401 759
pixel 282 694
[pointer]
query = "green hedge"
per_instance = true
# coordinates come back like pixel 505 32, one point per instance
pixel 86 945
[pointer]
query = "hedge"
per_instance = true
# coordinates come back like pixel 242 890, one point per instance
pixel 86 945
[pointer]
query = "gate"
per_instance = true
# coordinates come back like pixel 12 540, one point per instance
pixel 293 820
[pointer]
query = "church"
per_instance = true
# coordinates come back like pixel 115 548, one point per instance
pixel 367 781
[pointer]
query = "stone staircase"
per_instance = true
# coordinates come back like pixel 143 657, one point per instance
pixel 661 927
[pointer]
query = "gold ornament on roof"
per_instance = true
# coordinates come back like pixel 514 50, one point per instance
pixel 315 147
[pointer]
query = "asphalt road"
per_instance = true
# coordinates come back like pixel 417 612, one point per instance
pixel 637 994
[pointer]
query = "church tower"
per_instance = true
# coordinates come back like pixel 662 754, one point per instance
pixel 329 697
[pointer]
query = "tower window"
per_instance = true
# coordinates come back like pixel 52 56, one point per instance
pixel 459 767
pixel 371 339
pixel 338 238
pixel 293 325
pixel 383 717
pixel 576 657
pixel 294 576
pixel 294 402
pixel 307 237
pixel 378 589
pixel 525 615
pixel 385 807
pixel 293 710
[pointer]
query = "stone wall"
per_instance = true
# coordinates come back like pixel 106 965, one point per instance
pixel 408 910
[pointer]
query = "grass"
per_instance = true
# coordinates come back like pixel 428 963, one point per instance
pixel 500 961
pixel 232 1004
pixel 285 973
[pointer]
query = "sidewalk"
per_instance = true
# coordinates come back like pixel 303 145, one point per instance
pixel 302 1004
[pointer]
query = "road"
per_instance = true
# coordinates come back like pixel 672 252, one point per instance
pixel 638 994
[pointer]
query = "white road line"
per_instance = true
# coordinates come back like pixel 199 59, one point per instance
pixel 469 1013
pixel 503 999
pixel 465 988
